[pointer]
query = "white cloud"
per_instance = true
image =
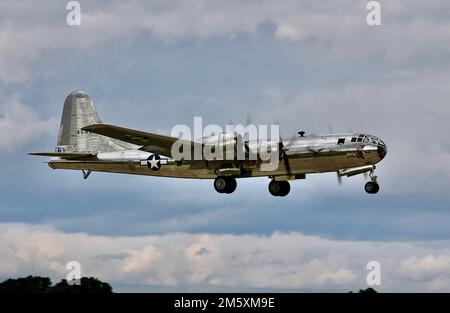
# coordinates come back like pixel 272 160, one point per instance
pixel 409 29
pixel 427 267
pixel 140 259
pixel 288 32
pixel 278 261
pixel 20 124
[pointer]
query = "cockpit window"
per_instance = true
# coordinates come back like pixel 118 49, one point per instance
pixel 367 139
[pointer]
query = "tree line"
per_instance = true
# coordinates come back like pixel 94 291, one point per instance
pixel 38 284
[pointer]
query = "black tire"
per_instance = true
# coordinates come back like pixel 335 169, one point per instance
pixel 220 184
pixel 275 188
pixel 371 187
pixel 231 185
pixel 377 188
pixel 279 188
pixel 285 188
pixel 225 184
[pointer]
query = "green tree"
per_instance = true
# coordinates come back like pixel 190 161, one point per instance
pixel 37 284
pixel 29 284
pixel 87 285
pixel 367 290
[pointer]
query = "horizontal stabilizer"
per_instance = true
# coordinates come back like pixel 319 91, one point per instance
pixel 65 155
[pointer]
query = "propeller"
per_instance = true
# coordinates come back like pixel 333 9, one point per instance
pixel 246 137
pixel 282 151
pixel 284 157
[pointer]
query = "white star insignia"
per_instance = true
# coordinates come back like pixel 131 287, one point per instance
pixel 154 162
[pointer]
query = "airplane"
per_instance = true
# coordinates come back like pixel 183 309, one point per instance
pixel 86 144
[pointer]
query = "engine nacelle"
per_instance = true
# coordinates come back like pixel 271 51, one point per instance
pixel 225 146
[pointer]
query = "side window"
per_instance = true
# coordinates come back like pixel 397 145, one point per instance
pixel 354 139
pixel 341 141
pixel 359 139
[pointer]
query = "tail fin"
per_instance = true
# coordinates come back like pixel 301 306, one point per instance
pixel 79 111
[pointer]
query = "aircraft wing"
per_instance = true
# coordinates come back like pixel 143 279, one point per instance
pixel 150 142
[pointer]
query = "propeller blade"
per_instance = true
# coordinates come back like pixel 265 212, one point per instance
pixel 282 151
pixel 280 139
pixel 284 154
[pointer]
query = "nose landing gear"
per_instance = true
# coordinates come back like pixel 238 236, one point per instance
pixel 372 186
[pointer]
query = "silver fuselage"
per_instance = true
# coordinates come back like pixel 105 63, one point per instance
pixel 305 155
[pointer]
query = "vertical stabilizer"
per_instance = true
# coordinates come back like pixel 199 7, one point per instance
pixel 79 111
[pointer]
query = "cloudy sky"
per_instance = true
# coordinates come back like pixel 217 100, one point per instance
pixel 312 65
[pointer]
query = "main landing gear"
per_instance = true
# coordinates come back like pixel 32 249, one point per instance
pixel 279 188
pixel 225 184
pixel 372 186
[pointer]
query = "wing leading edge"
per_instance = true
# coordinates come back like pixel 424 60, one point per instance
pixel 150 142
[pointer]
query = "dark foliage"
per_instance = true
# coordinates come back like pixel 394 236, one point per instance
pixel 37 284
pixel 368 290
pixel 87 285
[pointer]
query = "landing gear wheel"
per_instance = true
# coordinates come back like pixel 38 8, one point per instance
pixel 286 187
pixel 279 188
pixel 225 184
pixel 372 187
pixel 231 185
pixel 274 188
pixel 220 184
